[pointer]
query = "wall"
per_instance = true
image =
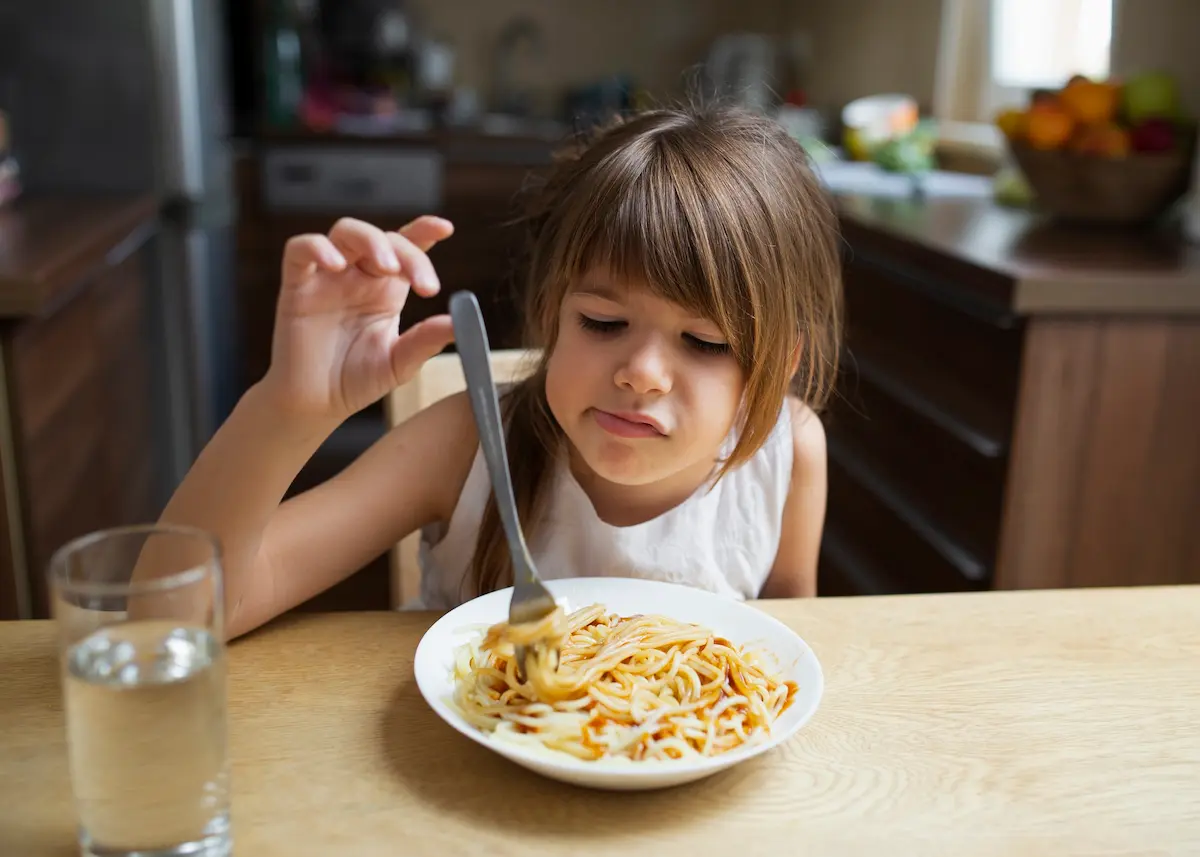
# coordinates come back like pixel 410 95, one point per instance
pixel 873 46
pixel 864 47
pixel 1160 34
pixel 656 42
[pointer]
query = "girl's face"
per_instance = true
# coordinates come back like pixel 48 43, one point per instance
pixel 642 388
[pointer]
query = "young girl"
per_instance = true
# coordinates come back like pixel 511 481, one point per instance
pixel 684 275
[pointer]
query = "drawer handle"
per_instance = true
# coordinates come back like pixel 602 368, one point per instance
pixel 977 439
pixel 947 293
pixel 949 548
pixel 859 571
pixel 129 244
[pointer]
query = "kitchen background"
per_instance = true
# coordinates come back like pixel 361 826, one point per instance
pixel 251 120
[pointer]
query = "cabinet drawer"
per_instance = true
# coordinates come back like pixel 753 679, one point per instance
pixel 918 437
pixel 967 362
pixel 888 550
pixel 81 396
pixel 948 483
pixel 53 361
pixel 845 569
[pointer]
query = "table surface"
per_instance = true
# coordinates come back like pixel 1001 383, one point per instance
pixel 975 725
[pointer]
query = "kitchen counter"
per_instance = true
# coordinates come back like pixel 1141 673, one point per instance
pixel 982 725
pixel 1018 405
pixel 50 242
pixel 1018 263
pixel 79 444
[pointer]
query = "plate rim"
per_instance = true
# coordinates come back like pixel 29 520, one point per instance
pixel 570 764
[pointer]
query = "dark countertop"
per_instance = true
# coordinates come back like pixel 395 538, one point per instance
pixel 1021 263
pixel 50 243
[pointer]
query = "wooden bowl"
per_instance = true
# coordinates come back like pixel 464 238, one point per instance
pixel 1134 189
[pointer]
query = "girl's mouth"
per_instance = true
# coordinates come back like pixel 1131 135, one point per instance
pixel 627 424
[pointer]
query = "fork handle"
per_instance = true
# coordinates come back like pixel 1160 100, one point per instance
pixel 471 341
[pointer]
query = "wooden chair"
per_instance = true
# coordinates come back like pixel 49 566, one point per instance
pixel 440 377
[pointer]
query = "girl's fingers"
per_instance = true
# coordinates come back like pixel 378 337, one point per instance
pixel 427 230
pixel 415 265
pixel 304 254
pixel 423 340
pixel 366 246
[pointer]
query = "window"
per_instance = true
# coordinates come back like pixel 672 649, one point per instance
pixel 1035 43
pixel 1041 43
pixel 992 52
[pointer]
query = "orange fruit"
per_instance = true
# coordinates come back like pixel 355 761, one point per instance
pixel 1089 101
pixel 1103 139
pixel 1012 123
pixel 1048 128
pixel 1118 142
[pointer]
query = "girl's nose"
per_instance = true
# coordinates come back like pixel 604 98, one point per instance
pixel 645 369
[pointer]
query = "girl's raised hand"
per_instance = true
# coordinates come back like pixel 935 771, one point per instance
pixel 337 346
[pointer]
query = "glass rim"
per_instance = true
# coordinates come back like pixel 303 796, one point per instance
pixel 183 577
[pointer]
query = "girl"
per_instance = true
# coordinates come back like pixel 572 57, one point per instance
pixel 684 273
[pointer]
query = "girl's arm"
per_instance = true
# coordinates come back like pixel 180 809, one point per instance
pixel 794 574
pixel 336 348
pixel 278 556
pixel 409 478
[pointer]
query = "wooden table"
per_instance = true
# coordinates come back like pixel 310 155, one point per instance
pixel 975 725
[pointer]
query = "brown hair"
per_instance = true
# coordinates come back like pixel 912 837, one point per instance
pixel 717 210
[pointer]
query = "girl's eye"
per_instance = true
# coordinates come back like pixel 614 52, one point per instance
pixel 706 346
pixel 597 325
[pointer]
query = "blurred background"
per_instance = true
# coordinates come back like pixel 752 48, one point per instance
pixel 156 154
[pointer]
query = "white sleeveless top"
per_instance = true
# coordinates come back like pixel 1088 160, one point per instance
pixel 724 540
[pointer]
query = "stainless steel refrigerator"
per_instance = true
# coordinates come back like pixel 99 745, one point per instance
pixel 132 95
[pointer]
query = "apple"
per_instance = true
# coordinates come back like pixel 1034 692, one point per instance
pixel 1153 135
pixel 1148 95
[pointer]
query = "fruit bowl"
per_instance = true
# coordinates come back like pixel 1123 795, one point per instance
pixel 1104 151
pixel 1132 189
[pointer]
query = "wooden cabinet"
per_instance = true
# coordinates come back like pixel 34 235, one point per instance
pixel 76 422
pixel 918 438
pixel 977 443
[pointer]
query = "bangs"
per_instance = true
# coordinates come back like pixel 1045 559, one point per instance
pixel 645 216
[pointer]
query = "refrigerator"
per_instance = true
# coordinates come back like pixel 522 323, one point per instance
pixel 132 96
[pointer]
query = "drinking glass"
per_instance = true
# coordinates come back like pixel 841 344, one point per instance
pixel 142 654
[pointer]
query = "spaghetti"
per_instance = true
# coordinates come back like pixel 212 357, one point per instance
pixel 636 687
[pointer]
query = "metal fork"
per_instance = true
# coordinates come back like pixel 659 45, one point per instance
pixel 531 601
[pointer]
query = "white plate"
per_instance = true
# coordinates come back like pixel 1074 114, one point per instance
pixel 741 623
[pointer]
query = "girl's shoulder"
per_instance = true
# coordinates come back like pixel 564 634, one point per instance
pixel 798 437
pixel 806 433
